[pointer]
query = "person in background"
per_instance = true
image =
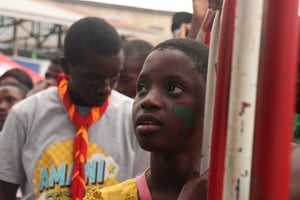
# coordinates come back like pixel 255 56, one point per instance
pixel 60 142
pixel 185 24
pixel 168 114
pixel 16 76
pixel 135 52
pixel 51 75
pixel 10 94
pixel 181 24
pixel 200 7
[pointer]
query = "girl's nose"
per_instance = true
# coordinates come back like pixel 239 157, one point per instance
pixel 152 100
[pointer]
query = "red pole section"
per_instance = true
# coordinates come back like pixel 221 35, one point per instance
pixel 216 171
pixel 275 102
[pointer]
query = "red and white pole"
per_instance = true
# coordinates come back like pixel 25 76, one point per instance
pixel 216 172
pixel 275 101
pixel 242 99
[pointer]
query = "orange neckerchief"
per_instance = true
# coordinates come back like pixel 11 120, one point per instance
pixel 81 139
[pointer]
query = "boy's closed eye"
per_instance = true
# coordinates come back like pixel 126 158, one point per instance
pixel 125 80
pixel 100 78
pixel 10 99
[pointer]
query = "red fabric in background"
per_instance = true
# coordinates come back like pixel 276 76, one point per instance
pixel 7 63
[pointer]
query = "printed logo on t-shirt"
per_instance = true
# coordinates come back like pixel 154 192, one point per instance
pixel 52 176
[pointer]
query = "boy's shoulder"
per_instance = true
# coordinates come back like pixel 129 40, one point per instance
pixel 40 99
pixel 121 96
pixel 118 99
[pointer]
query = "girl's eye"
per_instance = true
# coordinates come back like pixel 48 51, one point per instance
pixel 141 87
pixel 175 89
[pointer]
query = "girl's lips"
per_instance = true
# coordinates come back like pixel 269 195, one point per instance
pixel 147 129
pixel 147 124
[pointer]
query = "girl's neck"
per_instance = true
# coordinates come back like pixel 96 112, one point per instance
pixel 170 173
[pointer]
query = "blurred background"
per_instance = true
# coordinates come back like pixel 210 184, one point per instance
pixel 30 30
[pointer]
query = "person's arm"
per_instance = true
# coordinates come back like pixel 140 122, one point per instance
pixel 199 9
pixel 8 190
pixel 195 188
pixel 11 144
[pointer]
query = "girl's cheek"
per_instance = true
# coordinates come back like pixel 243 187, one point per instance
pixel 187 113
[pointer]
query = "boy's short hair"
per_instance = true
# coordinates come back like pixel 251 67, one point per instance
pixel 139 48
pixel 21 87
pixel 22 76
pixel 197 51
pixel 54 58
pixel 91 33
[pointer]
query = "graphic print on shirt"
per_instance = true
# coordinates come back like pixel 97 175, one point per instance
pixel 52 175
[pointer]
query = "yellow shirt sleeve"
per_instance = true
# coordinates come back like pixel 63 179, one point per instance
pixel 126 190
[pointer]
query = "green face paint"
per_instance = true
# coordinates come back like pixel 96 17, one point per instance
pixel 188 113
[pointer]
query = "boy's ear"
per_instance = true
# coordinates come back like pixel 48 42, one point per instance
pixel 64 64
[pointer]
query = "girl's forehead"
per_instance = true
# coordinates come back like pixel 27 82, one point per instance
pixel 169 58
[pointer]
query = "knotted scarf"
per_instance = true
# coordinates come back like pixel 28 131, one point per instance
pixel 81 142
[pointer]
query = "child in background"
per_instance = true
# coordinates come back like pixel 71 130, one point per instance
pixel 135 52
pixel 17 76
pixel 181 24
pixel 10 94
pixel 168 114
pixel 51 75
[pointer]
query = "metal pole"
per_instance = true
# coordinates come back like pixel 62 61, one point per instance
pixel 210 93
pixel 242 99
pixel 275 102
pixel 216 172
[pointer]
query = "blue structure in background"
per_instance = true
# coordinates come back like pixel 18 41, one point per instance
pixel 33 66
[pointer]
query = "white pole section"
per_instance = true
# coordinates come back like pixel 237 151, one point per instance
pixel 242 99
pixel 210 93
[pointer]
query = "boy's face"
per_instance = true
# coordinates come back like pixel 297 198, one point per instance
pixel 128 77
pixel 91 82
pixel 52 74
pixel 169 105
pixel 9 95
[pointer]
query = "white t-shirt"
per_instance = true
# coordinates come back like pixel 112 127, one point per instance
pixel 36 146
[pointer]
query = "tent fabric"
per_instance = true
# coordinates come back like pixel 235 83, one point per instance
pixel 37 11
pixel 6 64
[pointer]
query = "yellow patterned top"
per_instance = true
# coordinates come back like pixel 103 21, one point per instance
pixel 126 190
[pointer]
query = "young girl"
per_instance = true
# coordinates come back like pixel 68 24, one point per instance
pixel 168 116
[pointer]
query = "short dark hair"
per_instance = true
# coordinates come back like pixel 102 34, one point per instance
pixel 179 18
pixel 54 57
pixel 21 87
pixel 197 51
pixel 22 76
pixel 91 33
pixel 138 48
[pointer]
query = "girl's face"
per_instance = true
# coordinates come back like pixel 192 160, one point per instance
pixel 169 105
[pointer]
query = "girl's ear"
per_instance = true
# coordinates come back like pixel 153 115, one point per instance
pixel 65 65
